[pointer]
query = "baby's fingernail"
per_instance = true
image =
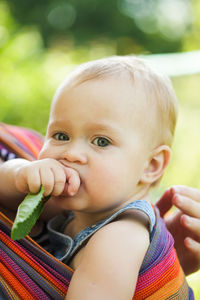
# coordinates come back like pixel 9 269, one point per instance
pixel 72 193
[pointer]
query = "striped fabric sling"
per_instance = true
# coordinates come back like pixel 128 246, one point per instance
pixel 161 276
pixel 27 271
pixel 19 141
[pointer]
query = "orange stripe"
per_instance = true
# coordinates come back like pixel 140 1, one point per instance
pixel 36 267
pixel 10 142
pixel 10 223
pixel 8 289
pixel 15 283
pixel 19 133
pixel 171 273
pixel 170 288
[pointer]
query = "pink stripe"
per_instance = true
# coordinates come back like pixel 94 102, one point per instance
pixel 30 286
pixel 35 139
pixel 155 273
pixel 22 137
pixel 54 280
pixel 53 271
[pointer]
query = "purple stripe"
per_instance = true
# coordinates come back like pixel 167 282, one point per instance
pixel 64 273
pixel 62 280
pixel 50 291
pixel 62 270
pixel 191 294
pixel 22 276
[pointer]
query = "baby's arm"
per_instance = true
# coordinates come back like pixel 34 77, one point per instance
pixel 10 196
pixel 48 172
pixel 18 177
pixel 110 263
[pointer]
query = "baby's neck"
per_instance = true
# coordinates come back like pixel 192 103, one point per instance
pixel 83 220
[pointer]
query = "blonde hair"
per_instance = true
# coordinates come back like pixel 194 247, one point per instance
pixel 157 87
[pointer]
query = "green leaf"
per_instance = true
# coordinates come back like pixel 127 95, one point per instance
pixel 27 214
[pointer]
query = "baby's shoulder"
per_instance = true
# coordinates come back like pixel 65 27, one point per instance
pixel 119 245
pixel 121 237
pixel 115 252
pixel 123 232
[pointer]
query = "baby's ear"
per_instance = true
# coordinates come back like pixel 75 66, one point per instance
pixel 157 164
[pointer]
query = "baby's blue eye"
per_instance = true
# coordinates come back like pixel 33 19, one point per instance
pixel 101 142
pixel 60 136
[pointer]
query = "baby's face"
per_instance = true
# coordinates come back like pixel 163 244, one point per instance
pixel 98 128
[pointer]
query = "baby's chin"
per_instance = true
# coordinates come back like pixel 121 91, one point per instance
pixel 66 196
pixel 63 201
pixel 66 202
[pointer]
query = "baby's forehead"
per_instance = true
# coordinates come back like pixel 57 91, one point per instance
pixel 126 91
pixel 113 100
pixel 120 94
pixel 135 83
pixel 123 74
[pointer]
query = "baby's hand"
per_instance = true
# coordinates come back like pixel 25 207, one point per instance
pixel 48 172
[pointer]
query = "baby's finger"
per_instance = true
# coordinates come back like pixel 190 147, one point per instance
pixel 187 205
pixel 47 180
pixel 186 191
pixel 21 184
pixel 34 182
pixel 73 180
pixel 59 182
pixel 192 224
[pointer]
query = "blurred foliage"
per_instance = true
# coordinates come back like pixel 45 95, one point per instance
pixel 185 164
pixel 41 41
pixel 134 25
pixel 30 72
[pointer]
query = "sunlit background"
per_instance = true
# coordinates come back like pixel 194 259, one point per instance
pixel 41 41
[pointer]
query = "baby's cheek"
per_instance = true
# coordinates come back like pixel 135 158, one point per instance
pixel 106 179
pixel 103 172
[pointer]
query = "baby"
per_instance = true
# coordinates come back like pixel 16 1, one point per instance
pixel 108 143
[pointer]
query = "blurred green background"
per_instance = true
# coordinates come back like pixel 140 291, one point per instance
pixel 41 41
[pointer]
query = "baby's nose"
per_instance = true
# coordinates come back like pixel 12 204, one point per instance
pixel 75 154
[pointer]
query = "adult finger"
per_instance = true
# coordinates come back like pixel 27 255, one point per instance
pixel 186 191
pixel 194 248
pixel 193 245
pixel 192 224
pixel 187 205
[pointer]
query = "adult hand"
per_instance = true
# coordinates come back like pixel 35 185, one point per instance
pixel 184 224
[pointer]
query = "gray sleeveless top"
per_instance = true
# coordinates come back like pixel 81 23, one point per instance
pixel 64 247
